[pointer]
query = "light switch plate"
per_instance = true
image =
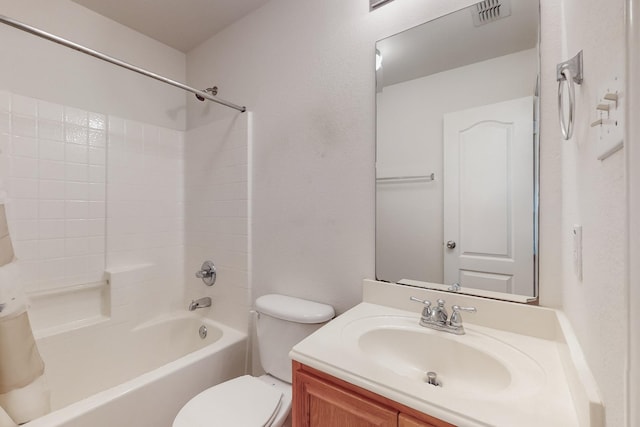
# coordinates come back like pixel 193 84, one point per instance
pixel 577 251
pixel 610 131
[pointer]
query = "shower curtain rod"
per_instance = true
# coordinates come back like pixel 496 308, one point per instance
pixel 51 37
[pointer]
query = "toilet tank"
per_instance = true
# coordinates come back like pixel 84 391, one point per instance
pixel 284 321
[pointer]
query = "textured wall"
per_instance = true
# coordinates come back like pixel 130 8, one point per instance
pixel 586 191
pixel 306 71
pixel 633 158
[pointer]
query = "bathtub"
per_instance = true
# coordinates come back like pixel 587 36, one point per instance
pixel 114 375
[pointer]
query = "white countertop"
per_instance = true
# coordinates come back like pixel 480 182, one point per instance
pixel 554 399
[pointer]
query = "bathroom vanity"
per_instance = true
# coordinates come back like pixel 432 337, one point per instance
pixel 322 399
pixel 516 365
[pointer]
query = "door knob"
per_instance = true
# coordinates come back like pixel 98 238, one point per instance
pixel 451 244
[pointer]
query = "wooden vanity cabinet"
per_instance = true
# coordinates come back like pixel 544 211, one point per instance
pixel 321 400
pixel 405 420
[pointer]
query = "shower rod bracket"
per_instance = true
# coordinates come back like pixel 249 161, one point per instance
pixel 212 90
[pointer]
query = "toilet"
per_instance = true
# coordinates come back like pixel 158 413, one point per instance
pixel 263 401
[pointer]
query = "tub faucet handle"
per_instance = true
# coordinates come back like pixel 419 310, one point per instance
pixel 207 273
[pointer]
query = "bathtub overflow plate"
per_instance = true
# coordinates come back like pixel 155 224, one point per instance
pixel 203 332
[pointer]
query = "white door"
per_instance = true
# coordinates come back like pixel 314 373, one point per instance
pixel 488 197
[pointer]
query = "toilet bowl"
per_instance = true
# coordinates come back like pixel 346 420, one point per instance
pixel 263 401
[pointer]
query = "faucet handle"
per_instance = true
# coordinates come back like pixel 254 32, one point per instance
pixel 456 318
pixel 424 301
pixel 426 310
pixel 207 273
pixel 457 308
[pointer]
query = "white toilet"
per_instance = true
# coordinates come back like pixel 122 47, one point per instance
pixel 264 401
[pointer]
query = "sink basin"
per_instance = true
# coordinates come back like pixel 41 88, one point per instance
pixel 474 364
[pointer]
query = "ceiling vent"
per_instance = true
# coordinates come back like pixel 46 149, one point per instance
pixel 490 10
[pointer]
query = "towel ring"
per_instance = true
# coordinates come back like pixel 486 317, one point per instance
pixel 568 72
pixel 566 127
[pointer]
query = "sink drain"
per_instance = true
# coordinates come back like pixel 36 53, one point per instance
pixel 432 379
pixel 203 331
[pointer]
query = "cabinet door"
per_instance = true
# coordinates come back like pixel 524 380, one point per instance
pixel 323 404
pixel 405 420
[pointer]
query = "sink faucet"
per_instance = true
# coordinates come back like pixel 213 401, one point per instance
pixel 200 303
pixel 437 317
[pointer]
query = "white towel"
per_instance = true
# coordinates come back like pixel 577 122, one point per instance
pixel 6 248
pixel 5 419
pixel 25 392
pixel 27 403
pixel 12 298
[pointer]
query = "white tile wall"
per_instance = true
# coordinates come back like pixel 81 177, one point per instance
pixel 57 220
pixel 89 192
pixel 145 211
pixel 217 216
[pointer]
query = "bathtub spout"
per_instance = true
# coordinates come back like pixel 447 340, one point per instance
pixel 200 303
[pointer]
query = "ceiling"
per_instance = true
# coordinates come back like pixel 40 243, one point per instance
pixel 182 24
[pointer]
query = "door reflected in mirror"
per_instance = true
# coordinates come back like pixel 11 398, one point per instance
pixel 457 152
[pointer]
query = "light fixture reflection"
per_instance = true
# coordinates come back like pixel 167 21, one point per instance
pixel 374 4
pixel 378 60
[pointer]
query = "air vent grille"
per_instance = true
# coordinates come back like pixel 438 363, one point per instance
pixel 490 10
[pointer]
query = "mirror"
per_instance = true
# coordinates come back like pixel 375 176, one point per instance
pixel 457 152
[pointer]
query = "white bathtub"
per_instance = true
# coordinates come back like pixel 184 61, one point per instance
pixel 114 375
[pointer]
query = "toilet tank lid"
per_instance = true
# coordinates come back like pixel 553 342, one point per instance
pixel 294 309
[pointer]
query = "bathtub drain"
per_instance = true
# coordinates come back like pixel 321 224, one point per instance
pixel 203 332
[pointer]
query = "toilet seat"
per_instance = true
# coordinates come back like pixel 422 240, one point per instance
pixel 227 404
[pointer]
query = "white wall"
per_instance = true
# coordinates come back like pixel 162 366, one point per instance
pixel 579 189
pixel 41 69
pixel 633 191
pixel 306 71
pixel 409 215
